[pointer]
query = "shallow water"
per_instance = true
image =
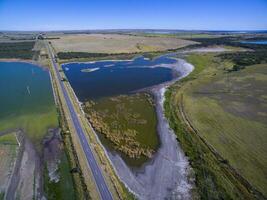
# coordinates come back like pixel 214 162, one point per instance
pixel 263 42
pixel 107 78
pixel 26 100
pixel 25 88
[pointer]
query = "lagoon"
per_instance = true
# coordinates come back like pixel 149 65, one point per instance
pixel 26 99
pixel 109 78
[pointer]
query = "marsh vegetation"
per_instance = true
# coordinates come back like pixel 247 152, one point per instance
pixel 128 122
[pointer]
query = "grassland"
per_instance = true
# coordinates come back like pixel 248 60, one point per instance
pixel 182 35
pixel 220 120
pixel 8 153
pixel 128 124
pixel 115 43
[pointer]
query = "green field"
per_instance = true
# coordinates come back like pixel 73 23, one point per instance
pixel 227 110
pixel 127 124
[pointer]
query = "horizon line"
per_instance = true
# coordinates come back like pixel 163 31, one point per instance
pixel 137 29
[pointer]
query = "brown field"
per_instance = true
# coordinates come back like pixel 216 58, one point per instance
pixel 115 43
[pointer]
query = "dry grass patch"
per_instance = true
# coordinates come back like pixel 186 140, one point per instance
pixel 116 43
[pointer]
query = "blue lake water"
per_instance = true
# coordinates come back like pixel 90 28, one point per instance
pixel 108 78
pixel 263 42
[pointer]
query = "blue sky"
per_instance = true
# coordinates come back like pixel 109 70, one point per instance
pixel 119 14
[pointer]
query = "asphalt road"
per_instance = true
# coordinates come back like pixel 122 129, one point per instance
pixel 96 171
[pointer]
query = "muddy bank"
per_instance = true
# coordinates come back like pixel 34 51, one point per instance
pixel 53 148
pixel 26 181
pixel 166 174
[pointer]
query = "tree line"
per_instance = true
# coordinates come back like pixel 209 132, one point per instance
pixel 21 50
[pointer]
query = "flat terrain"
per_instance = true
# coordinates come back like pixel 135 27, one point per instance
pixel 128 124
pixel 231 114
pixel 18 49
pixel 115 43
pixel 8 152
pixel 228 110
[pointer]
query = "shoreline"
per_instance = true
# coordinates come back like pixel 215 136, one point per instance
pixel 176 162
pixel 150 170
pixel 18 60
pixel 29 61
pixel 93 62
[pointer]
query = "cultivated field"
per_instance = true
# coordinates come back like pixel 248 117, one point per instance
pixel 115 43
pixel 231 115
pixel 228 110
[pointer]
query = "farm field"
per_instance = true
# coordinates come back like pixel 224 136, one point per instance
pixel 22 50
pixel 115 43
pixel 234 121
pixel 228 110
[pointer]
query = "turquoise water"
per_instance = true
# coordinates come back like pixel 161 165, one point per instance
pixel 26 100
pixel 25 88
pixel 263 42
pixel 108 78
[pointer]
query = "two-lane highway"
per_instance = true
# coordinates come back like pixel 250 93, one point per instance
pixel 96 171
